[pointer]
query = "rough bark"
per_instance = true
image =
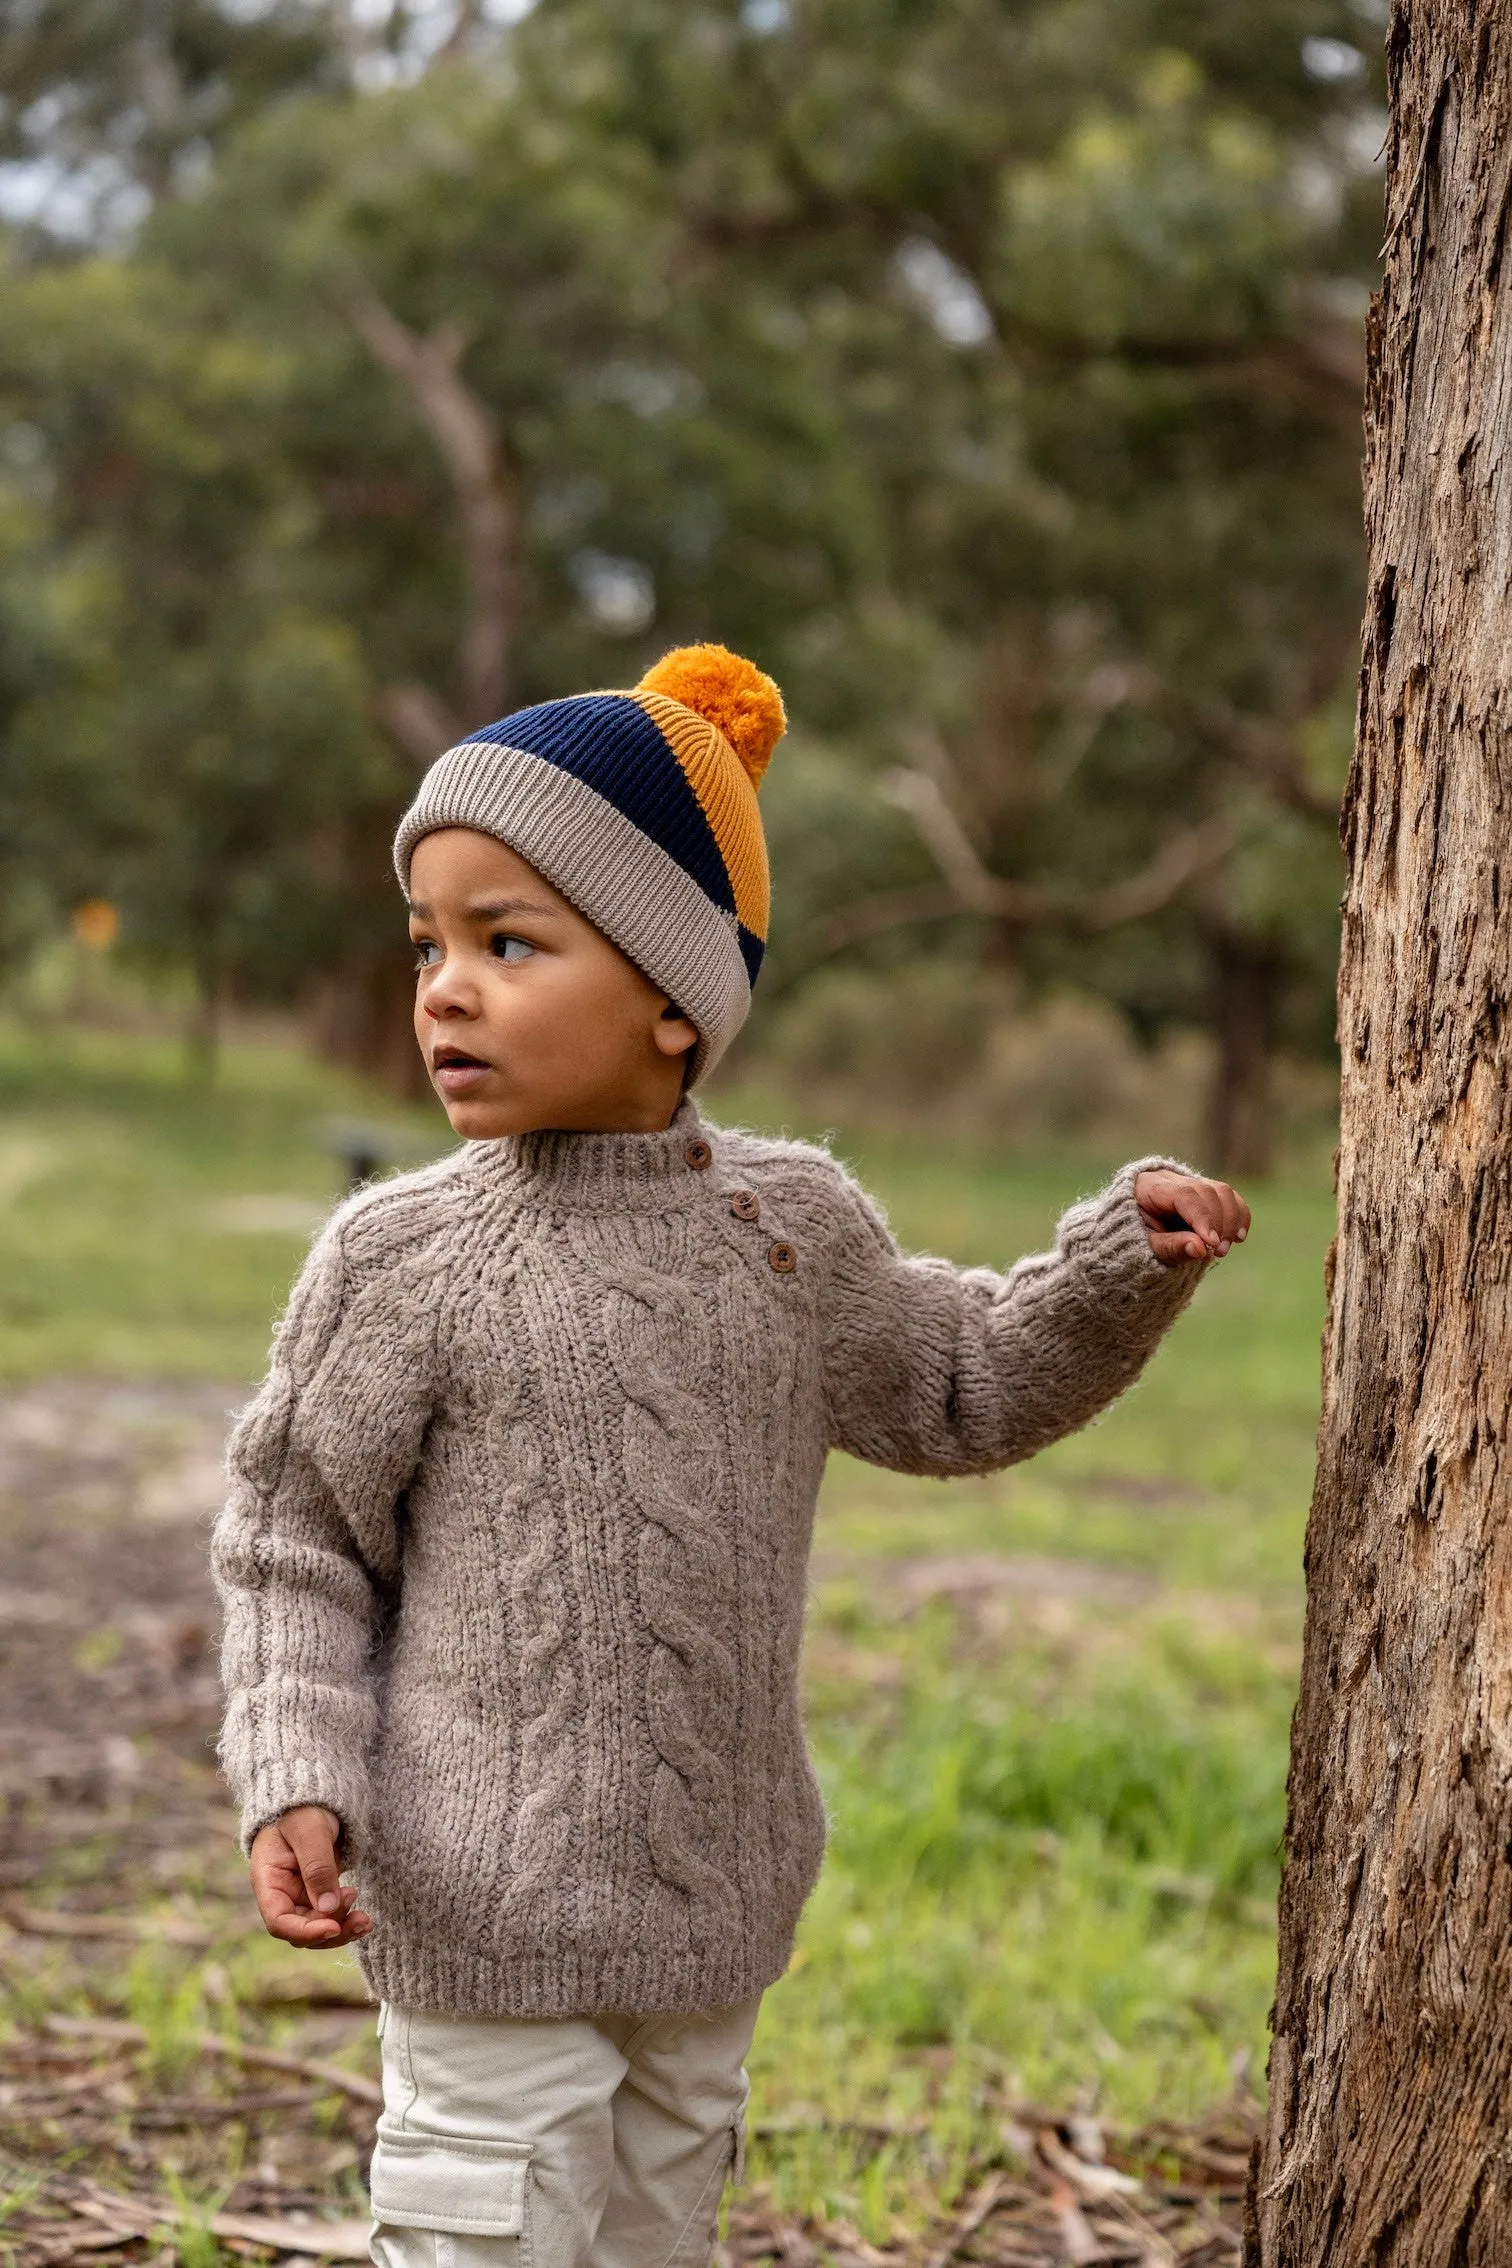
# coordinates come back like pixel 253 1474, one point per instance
pixel 1392 2061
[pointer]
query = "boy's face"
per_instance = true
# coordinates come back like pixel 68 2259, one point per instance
pixel 526 1015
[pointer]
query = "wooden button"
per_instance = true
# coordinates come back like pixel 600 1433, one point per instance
pixel 698 1155
pixel 746 1205
pixel 782 1259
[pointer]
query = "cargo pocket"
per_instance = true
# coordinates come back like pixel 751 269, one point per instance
pixel 469 2194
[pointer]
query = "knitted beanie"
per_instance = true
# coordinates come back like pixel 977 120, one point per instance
pixel 641 809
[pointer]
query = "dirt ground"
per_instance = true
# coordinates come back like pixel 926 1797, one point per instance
pixel 170 2086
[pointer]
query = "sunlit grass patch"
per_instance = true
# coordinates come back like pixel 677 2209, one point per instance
pixel 1049 1877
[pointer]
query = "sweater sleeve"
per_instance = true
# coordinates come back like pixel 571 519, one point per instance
pixel 934 1369
pixel 307 1546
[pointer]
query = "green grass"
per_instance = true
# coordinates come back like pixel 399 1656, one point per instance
pixel 117 1249
pixel 1055 1799
pixel 1054 1854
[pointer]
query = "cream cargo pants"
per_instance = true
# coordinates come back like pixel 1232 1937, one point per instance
pixel 578 2142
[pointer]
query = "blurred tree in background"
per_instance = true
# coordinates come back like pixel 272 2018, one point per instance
pixel 990 370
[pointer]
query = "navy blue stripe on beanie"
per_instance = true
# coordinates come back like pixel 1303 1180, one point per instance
pixel 613 747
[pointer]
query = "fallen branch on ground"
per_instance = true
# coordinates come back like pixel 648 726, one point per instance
pixel 131 2217
pixel 195 2110
pixel 965 2227
pixel 329 2075
pixel 42 1921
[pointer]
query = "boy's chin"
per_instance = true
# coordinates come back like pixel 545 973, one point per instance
pixel 478 1120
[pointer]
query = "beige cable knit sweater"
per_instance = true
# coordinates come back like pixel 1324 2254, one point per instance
pixel 514 1562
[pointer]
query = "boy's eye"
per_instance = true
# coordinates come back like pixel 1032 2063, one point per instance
pixel 427 952
pixel 512 948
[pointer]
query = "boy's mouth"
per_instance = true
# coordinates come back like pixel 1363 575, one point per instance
pixel 456 1072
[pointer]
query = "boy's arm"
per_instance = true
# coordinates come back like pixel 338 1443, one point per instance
pixel 307 1543
pixel 936 1369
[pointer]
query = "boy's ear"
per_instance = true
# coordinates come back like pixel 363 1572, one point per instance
pixel 673 1033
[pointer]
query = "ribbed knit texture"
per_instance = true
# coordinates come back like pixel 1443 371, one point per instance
pixel 641 808
pixel 514 1561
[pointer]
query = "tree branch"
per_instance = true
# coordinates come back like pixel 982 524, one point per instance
pixel 1258 746
pixel 467 436
pixel 872 917
pixel 968 887
pixel 419 720
pixel 1180 861
pixel 1262 749
pixel 974 888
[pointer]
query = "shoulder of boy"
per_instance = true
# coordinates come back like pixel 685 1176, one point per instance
pixel 382 1221
pixel 805 1186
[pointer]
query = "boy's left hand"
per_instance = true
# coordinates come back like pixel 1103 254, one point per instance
pixel 1187 1218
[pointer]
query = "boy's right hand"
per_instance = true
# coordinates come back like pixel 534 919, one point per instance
pixel 296 1880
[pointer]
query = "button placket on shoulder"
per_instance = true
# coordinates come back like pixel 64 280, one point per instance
pixel 698 1154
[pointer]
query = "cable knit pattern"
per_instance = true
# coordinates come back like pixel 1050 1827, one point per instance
pixel 672 1467
pixel 514 1555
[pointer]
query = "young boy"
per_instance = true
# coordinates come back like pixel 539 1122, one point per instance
pixel 514 1560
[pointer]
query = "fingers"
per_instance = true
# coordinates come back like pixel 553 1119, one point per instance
pixel 311 1835
pixel 1222 1210
pixel 318 1933
pixel 1233 1215
pixel 1188 1217
pixel 1174 1249
pixel 1201 1206
pixel 295 1880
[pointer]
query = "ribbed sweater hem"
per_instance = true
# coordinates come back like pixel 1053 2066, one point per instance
pixel 450 1981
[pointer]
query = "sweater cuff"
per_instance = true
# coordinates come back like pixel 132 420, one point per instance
pixel 275 1762
pixel 265 1804
pixel 1107 1236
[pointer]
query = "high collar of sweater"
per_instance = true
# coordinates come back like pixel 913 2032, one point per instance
pixel 606 1172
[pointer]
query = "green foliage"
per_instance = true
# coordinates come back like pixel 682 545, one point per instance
pixel 988 372
pixel 192 2238
pixel 112 101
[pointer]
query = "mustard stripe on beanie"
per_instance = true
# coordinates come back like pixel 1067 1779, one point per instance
pixel 640 808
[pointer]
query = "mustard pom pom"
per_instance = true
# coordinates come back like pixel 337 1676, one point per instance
pixel 732 693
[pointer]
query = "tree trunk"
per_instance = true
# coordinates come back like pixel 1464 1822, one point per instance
pixel 202 1030
pixel 363 1017
pixel 1241 1120
pixel 1387 2140
pixel 466 433
pixel 362 1007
